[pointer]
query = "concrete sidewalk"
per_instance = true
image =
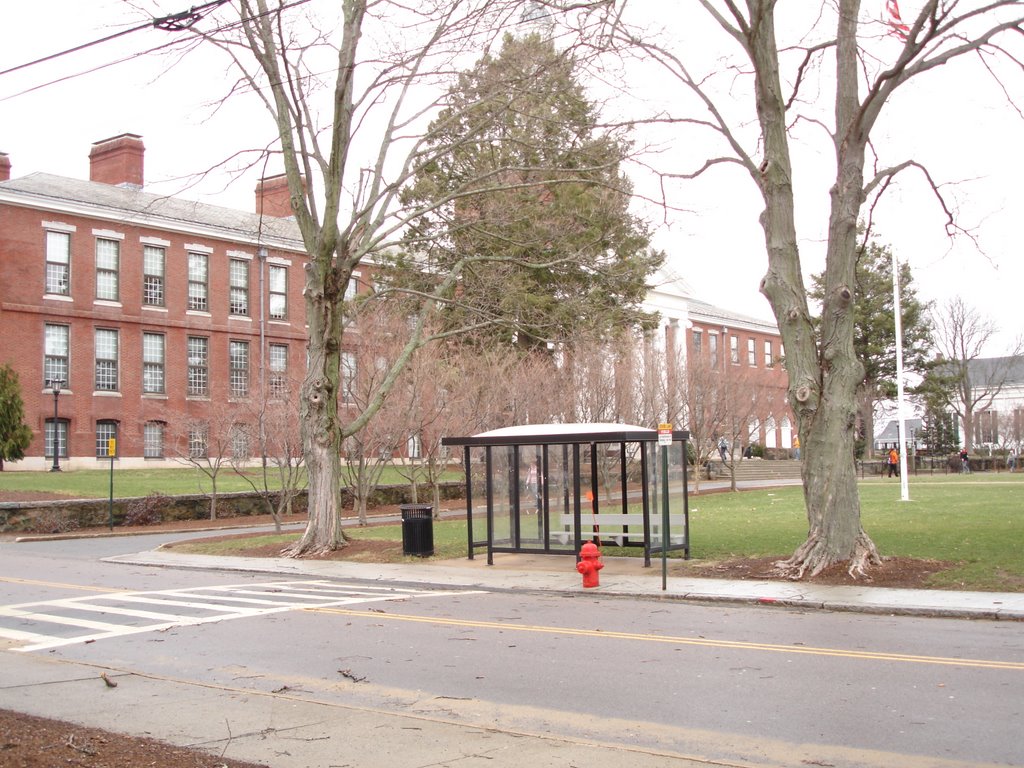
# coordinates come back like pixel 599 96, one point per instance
pixel 621 577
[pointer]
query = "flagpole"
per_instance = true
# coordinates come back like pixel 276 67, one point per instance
pixel 900 420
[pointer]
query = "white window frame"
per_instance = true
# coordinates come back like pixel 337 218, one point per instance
pixel 107 360
pixel 198 282
pixel 154 271
pixel 238 287
pixel 153 440
pixel 154 350
pixel 238 368
pixel 58 263
pixel 198 361
pixel 108 269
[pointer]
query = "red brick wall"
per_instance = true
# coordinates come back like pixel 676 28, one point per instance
pixel 24 312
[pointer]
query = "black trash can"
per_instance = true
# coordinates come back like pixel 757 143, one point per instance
pixel 417 529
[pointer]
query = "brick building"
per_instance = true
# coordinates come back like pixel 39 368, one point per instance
pixel 694 333
pixel 147 311
pixel 155 314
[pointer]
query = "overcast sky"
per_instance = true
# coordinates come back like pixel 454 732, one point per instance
pixel 956 120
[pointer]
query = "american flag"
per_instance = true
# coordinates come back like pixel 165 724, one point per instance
pixel 895 22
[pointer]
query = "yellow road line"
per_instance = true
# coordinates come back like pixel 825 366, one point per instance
pixel 802 650
pixel 60 585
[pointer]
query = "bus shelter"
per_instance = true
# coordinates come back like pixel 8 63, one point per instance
pixel 547 488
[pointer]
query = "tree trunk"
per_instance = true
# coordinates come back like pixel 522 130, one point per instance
pixel 319 416
pixel 968 425
pixel 823 372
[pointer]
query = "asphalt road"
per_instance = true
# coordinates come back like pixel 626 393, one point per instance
pixel 733 685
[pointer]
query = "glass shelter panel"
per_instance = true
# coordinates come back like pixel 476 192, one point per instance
pixel 546 489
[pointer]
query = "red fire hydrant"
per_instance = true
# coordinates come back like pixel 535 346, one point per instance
pixel 589 564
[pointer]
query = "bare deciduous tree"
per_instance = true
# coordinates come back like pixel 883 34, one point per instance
pixel 963 381
pixel 347 158
pixel 210 443
pixel 280 475
pixel 829 50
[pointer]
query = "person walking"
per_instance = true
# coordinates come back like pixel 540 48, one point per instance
pixel 1011 460
pixel 723 448
pixel 965 464
pixel 894 462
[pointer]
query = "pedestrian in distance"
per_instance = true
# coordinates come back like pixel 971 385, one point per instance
pixel 965 464
pixel 1011 460
pixel 894 462
pixel 723 448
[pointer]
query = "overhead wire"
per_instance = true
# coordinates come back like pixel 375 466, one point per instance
pixel 175 22
pixel 181 21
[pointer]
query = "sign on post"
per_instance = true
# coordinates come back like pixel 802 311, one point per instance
pixel 665 442
pixel 665 435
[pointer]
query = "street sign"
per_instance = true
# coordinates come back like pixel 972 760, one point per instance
pixel 665 434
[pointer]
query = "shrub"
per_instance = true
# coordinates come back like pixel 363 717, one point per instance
pixel 148 510
pixel 52 521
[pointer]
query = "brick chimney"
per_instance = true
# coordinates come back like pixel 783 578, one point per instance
pixel 118 161
pixel 5 167
pixel 273 197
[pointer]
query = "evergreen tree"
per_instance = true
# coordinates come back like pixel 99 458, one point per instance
pixel 536 191
pixel 15 434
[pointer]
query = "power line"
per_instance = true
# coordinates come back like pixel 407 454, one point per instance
pixel 175 22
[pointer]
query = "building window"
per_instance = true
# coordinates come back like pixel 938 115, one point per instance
pixel 105 432
pixel 240 443
pixel 751 353
pixel 348 376
pixel 278 284
pixel 734 350
pixel 153 363
pixel 414 447
pixel 108 254
pixel 713 349
pixel 106 360
pixel 238 355
pixel 769 360
pixel 278 370
pixel 696 342
pixel 55 361
pixel 58 263
pixel 239 287
pixel 197 441
pixel 62 438
pixel 198 372
pixel 153 440
pixel 153 276
pixel 198 289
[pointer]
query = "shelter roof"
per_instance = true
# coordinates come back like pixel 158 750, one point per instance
pixel 551 434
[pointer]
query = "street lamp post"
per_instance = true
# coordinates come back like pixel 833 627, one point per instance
pixel 55 385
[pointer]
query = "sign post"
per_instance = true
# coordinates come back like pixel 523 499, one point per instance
pixel 111 451
pixel 664 442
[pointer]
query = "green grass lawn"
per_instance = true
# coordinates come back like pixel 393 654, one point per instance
pixel 976 522
pixel 95 483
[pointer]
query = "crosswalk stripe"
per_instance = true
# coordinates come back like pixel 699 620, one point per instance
pixel 165 608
